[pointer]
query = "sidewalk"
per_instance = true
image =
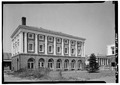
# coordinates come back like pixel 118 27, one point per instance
pixel 110 79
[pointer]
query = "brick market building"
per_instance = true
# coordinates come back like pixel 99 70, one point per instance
pixel 34 47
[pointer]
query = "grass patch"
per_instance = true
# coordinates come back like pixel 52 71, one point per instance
pixel 29 73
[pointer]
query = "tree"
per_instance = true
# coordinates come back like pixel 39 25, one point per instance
pixel 93 65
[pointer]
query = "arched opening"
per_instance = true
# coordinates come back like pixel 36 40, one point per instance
pixel 31 63
pixel 66 64
pixel 41 62
pixel 50 63
pixel 79 65
pixel 58 63
pixel 72 64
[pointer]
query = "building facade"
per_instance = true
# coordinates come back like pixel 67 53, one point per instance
pixel 109 59
pixel 37 47
pixel 111 49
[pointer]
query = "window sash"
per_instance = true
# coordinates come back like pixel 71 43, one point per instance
pixel 58 50
pixel 41 64
pixel 66 50
pixel 50 49
pixel 50 65
pixel 31 46
pixel 41 48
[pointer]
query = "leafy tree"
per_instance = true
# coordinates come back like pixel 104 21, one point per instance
pixel 93 65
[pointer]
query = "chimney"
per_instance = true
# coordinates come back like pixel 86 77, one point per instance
pixel 23 20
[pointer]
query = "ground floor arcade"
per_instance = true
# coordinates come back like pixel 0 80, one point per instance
pixel 32 61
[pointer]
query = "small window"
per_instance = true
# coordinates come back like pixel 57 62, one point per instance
pixel 41 37
pixel 66 41
pixel 30 36
pixel 50 39
pixel 79 43
pixel 58 40
pixel 72 42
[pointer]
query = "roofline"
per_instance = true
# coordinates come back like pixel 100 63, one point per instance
pixel 46 31
pixel 16 30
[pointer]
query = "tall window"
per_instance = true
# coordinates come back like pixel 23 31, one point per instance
pixel 58 49
pixel 41 62
pixel 73 64
pixel 31 63
pixel 72 51
pixel 66 63
pixel 41 47
pixel 79 64
pixel 30 46
pixel 79 50
pixel 66 50
pixel 50 63
pixel 79 44
pixel 58 64
pixel 50 49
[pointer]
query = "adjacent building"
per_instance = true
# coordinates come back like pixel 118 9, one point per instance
pixel 7 61
pixel 109 59
pixel 111 49
pixel 34 47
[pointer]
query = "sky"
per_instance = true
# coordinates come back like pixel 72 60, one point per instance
pixel 93 21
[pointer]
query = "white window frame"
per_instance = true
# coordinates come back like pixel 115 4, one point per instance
pixel 51 49
pixel 66 64
pixel 59 49
pixel 66 41
pixel 41 36
pixel 72 64
pixel 79 50
pixel 30 34
pixel 67 50
pixel 32 46
pixel 50 39
pixel 58 40
pixel 73 50
pixel 50 65
pixel 42 47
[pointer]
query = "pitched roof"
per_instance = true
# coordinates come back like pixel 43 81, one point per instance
pixel 45 31
pixel 7 56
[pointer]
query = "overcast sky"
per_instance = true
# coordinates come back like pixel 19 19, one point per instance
pixel 93 21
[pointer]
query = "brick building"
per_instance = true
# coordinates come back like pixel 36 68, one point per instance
pixel 34 47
